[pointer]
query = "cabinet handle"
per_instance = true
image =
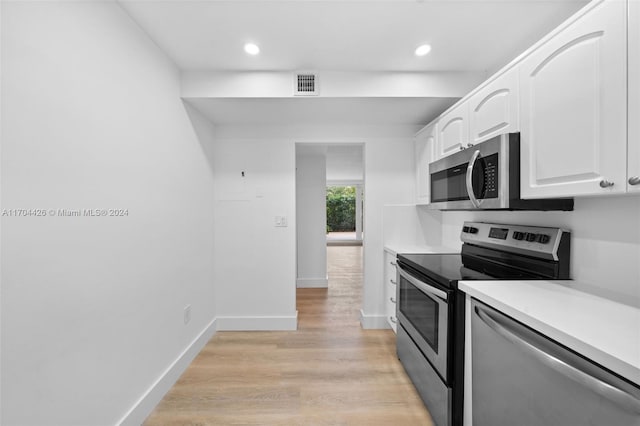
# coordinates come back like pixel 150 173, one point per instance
pixel 634 180
pixel 393 263
pixel 605 183
pixel 393 320
pixel 392 300
pixel 393 282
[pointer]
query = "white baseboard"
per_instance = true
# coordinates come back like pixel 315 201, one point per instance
pixel 312 282
pixel 145 405
pixel 258 323
pixel 373 321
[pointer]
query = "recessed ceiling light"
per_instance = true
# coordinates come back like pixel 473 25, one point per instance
pixel 423 50
pixel 251 48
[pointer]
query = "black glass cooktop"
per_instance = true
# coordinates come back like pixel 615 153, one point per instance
pixel 448 269
pixel 444 268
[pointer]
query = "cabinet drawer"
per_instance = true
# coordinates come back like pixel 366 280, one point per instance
pixel 389 288
pixel 389 267
pixel 391 312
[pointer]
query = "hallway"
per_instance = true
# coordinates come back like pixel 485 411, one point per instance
pixel 328 372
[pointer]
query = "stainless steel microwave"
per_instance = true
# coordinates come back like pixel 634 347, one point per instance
pixel 485 177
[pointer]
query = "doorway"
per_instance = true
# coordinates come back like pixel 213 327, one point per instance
pixel 319 169
pixel 344 215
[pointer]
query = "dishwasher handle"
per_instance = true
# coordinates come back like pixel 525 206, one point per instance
pixel 627 398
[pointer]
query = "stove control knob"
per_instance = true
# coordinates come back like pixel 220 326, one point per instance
pixel 473 230
pixel 543 238
pixel 518 235
pixel 465 229
pixel 531 237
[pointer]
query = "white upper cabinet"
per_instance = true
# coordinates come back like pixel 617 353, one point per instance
pixel 633 181
pixel 453 131
pixel 573 108
pixel 493 110
pixel 425 142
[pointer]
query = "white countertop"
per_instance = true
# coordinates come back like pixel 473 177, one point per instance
pixel 602 330
pixel 394 248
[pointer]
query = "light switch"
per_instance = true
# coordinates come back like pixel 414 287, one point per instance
pixel 281 221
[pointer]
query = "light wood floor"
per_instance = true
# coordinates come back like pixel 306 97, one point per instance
pixel 328 372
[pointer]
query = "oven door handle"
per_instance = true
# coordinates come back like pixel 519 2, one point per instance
pixel 425 288
pixel 472 195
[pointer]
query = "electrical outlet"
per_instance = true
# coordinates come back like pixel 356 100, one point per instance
pixel 281 221
pixel 187 314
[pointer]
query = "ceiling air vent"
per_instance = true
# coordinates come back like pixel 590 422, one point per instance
pixel 306 84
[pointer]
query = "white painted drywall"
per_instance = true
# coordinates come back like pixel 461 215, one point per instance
pixel 311 215
pixel 389 179
pixel 270 84
pixel 254 261
pixel 409 225
pixel 605 240
pixel 345 164
pixel 92 307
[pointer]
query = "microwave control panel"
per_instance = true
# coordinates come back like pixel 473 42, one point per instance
pixel 490 164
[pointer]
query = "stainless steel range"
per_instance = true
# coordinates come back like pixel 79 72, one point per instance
pixel 430 339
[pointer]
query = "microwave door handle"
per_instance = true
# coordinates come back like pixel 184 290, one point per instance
pixel 472 195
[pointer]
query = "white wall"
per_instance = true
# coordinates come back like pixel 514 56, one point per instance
pixel 311 215
pixel 275 84
pixel 92 307
pixel 254 261
pixel 605 241
pixel 409 225
pixel 389 179
pixel 344 164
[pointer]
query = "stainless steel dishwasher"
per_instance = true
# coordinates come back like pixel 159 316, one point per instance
pixel 520 377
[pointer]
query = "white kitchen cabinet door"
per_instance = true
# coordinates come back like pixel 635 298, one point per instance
pixel 390 289
pixel 453 131
pixel 573 98
pixel 493 110
pixel 633 181
pixel 424 145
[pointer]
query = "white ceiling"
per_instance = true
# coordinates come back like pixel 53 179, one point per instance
pixel 347 35
pixel 342 35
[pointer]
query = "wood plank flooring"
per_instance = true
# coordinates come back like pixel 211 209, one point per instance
pixel 328 372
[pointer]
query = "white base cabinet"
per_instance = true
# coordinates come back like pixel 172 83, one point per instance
pixel 390 289
pixel 573 99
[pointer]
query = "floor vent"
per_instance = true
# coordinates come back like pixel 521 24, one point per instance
pixel 306 84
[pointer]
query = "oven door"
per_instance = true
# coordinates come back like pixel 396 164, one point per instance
pixel 423 312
